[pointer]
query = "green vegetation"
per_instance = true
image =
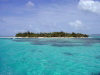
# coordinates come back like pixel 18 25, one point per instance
pixel 51 34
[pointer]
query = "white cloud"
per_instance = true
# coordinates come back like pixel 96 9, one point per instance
pixel 76 24
pixel 30 4
pixel 90 5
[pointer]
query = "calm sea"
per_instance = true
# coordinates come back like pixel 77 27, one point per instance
pixel 50 56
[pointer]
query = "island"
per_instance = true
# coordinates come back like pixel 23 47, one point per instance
pixel 51 35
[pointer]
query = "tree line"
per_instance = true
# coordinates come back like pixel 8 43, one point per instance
pixel 50 34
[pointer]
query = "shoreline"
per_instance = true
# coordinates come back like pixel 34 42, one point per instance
pixel 43 37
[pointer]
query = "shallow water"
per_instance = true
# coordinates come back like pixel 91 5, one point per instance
pixel 50 56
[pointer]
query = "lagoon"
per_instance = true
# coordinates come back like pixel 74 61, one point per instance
pixel 50 56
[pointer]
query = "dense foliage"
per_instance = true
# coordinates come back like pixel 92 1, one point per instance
pixel 51 34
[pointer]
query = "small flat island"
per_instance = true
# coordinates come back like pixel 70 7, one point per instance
pixel 51 35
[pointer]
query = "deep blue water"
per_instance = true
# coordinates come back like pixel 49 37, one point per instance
pixel 50 56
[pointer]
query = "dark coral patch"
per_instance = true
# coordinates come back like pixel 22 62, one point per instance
pixel 95 73
pixel 66 44
pixel 98 57
pixel 40 51
pixel 25 39
pixel 38 43
pixel 67 53
pixel 33 50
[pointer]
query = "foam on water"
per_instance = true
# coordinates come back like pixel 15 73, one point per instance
pixel 50 56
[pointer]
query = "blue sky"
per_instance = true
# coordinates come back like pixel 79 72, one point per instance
pixel 49 15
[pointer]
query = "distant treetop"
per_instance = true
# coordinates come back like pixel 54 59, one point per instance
pixel 50 34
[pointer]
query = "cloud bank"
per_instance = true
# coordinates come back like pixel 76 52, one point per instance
pixel 76 24
pixel 30 4
pixel 90 5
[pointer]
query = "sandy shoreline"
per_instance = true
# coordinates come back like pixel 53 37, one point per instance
pixel 43 37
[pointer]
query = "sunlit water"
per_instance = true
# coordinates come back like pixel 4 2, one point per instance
pixel 50 56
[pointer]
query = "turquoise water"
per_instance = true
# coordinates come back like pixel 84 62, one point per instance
pixel 50 56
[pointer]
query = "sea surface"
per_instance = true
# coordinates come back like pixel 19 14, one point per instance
pixel 50 56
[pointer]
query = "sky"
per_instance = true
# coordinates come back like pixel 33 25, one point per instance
pixel 81 16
